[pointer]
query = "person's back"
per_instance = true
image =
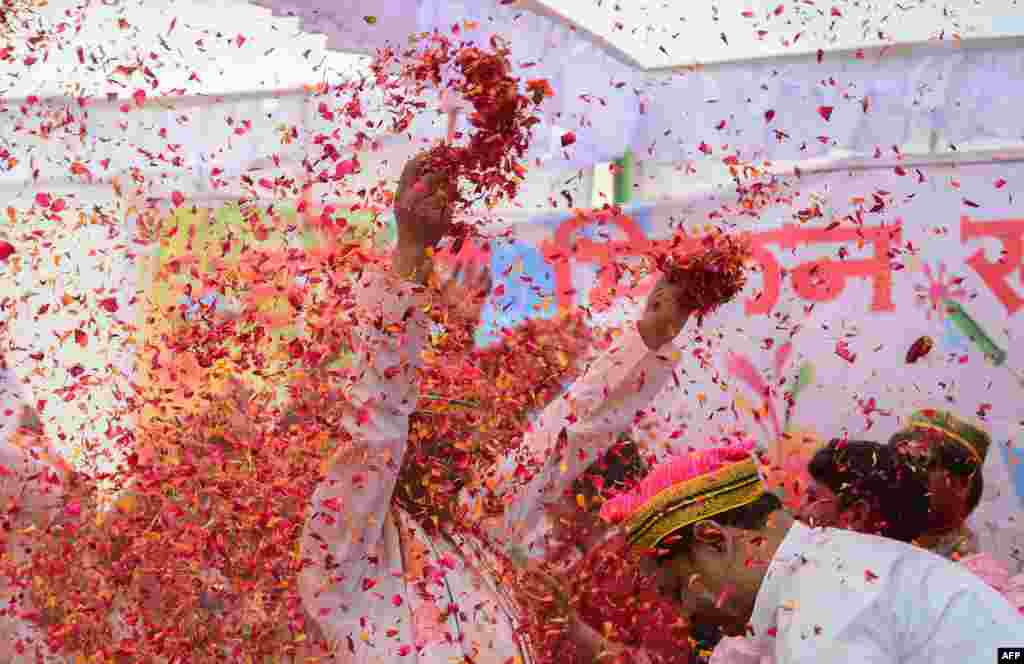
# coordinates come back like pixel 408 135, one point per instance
pixel 843 596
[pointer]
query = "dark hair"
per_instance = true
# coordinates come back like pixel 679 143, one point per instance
pixel 861 470
pixel 752 516
pixel 948 456
pixel 614 472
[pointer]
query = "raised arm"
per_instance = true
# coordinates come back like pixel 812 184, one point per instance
pixel 346 518
pixel 575 429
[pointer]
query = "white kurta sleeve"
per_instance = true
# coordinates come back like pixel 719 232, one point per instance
pixel 345 521
pixel 575 429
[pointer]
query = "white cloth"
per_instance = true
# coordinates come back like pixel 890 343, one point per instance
pixel 838 596
pixel 382 589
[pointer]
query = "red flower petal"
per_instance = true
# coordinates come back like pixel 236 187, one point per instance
pixel 843 351
pixel 919 349
pixel 346 167
pixel 568 138
pixel 825 112
pixel 6 250
pixel 362 416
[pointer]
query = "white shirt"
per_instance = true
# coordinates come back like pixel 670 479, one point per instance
pixel 838 596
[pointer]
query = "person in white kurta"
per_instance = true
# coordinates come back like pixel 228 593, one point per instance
pixel 834 595
pixel 442 601
pixel 379 587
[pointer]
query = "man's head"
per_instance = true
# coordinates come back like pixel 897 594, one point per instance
pixel 864 486
pixel 952 453
pixel 711 522
pixel 719 563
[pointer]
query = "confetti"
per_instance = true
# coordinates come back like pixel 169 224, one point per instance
pixel 712 273
pixel 488 160
pixel 843 351
pixel 919 349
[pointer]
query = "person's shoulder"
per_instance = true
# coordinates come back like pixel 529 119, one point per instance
pixel 923 578
pixel 883 547
pixel 880 561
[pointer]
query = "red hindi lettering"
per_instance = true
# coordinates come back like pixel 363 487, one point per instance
pixel 995 274
pixel 564 247
pixel 771 277
pixel 824 280
pixel 817 281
